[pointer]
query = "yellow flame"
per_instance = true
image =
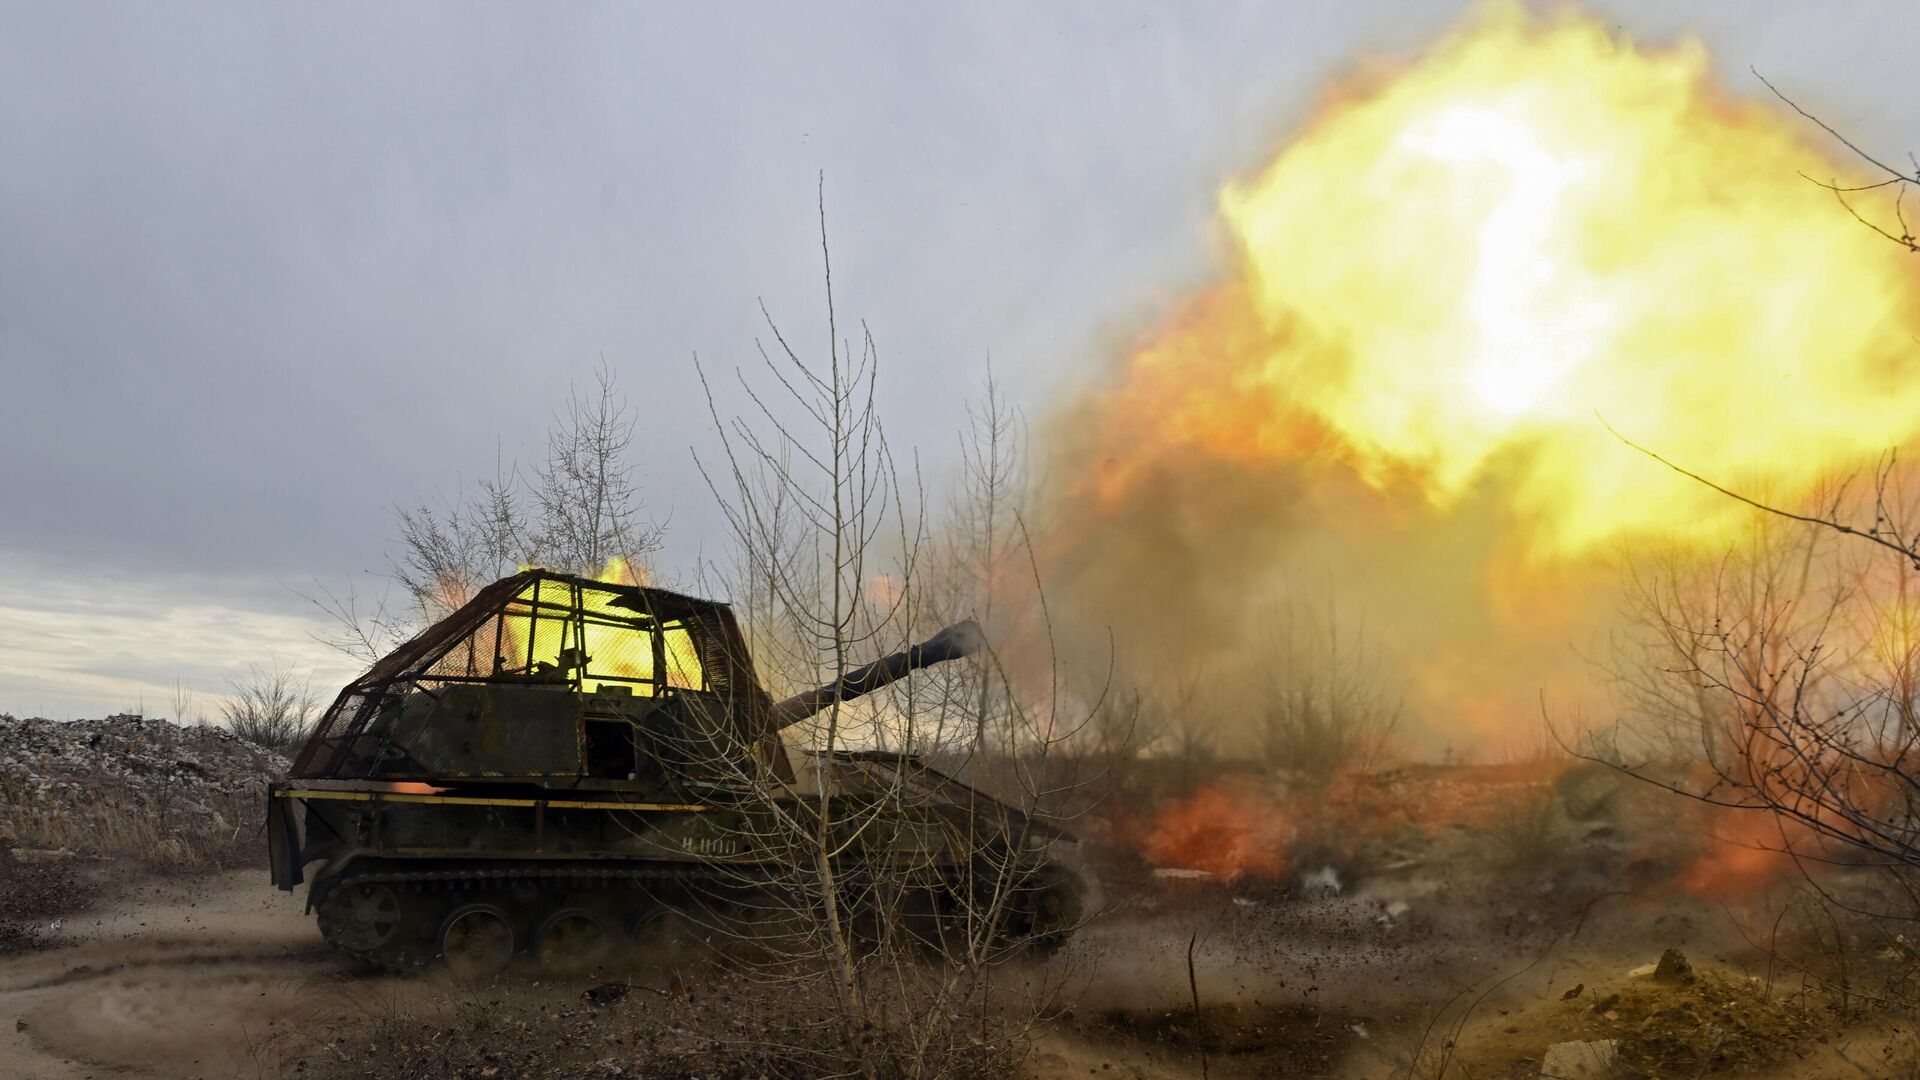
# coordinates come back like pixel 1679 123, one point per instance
pixel 1453 272
pixel 539 637
pixel 617 571
pixel 621 572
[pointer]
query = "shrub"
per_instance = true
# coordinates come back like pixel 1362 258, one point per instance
pixel 270 709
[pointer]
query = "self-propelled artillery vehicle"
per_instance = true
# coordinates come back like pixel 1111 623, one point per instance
pixel 565 768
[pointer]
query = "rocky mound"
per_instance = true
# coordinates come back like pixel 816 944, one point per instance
pixel 1664 1019
pixel 133 787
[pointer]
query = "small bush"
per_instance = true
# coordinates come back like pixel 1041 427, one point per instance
pixel 1529 830
pixel 270 709
pixel 1325 707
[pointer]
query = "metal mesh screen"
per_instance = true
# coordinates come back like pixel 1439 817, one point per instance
pixel 535 630
pixel 331 736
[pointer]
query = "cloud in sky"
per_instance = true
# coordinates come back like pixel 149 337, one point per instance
pixel 83 647
pixel 266 271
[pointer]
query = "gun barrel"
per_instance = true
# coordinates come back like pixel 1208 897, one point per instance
pixel 961 639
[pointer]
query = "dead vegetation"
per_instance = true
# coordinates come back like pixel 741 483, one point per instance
pixel 833 565
pixel 1336 914
pixel 1427 949
pixel 177 799
pixel 1433 951
pixel 577 510
pixel 271 708
pixel 1696 1024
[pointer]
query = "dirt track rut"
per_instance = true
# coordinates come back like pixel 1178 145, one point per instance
pixel 210 977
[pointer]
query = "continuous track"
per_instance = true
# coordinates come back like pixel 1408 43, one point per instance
pixel 618 897
pixel 403 917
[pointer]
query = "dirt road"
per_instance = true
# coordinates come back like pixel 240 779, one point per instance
pixel 222 977
pixel 207 977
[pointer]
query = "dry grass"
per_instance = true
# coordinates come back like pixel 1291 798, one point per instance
pixel 178 799
pixel 119 820
pixel 1529 831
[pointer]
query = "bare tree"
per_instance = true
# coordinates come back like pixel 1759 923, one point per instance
pixel 182 703
pixel 1116 730
pixel 760 566
pixel 445 556
pixel 1813 712
pixel 585 517
pixel 581 513
pixel 1794 673
pixel 832 549
pixel 983 535
pixel 270 708
pixel 1750 608
pixel 1324 704
pixel 1891 181
pixel 820 449
pixel 1180 713
pixel 589 507
pixel 361 627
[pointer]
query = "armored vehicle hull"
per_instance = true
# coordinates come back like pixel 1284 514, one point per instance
pixel 571 770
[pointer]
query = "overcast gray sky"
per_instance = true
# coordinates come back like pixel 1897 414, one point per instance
pixel 267 270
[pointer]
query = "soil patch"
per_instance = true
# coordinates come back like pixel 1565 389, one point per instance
pixel 32 892
pixel 1244 1039
pixel 1696 1024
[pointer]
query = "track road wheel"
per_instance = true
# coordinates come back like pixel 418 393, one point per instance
pixel 360 916
pixel 1055 905
pixel 476 941
pixel 569 942
pixel 931 918
pixel 664 936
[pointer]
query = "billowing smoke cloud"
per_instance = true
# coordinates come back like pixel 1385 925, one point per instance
pixel 1392 404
